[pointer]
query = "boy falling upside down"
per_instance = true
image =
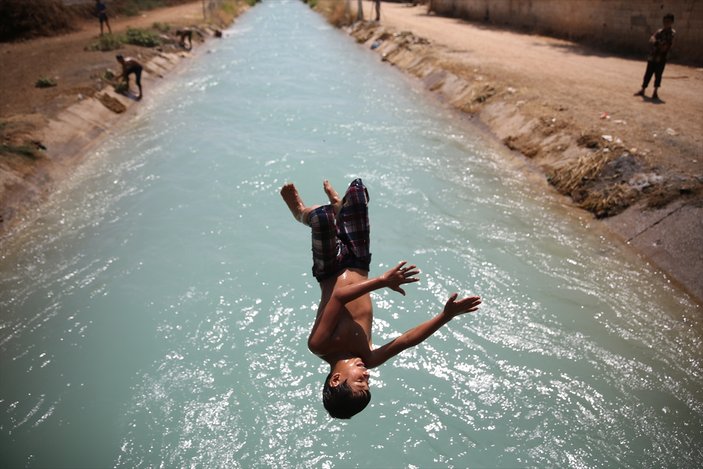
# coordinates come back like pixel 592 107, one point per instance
pixel 341 334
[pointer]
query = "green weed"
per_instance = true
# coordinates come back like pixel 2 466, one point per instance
pixel 44 82
pixel 162 27
pixel 142 37
pixel 122 88
pixel 105 43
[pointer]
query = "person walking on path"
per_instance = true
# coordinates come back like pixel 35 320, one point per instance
pixel 661 42
pixel 101 13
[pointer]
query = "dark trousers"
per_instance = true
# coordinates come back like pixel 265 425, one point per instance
pixel 656 69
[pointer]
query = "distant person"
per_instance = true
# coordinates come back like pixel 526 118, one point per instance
pixel 341 333
pixel 661 42
pixel 184 34
pixel 131 66
pixel 101 12
pixel 377 6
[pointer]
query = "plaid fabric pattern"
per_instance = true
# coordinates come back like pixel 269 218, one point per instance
pixel 343 242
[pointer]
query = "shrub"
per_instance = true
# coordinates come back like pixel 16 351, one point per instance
pixel 44 82
pixel 109 75
pixel 122 88
pixel 106 42
pixel 142 37
pixel 162 27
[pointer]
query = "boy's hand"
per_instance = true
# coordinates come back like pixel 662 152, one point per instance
pixel 399 275
pixel 454 308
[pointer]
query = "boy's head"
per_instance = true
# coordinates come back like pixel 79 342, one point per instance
pixel 668 20
pixel 120 58
pixel 346 389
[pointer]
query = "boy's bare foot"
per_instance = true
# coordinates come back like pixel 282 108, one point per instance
pixel 332 195
pixel 295 204
pixel 655 97
pixel 640 93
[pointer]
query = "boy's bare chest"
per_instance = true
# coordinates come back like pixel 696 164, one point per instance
pixel 353 331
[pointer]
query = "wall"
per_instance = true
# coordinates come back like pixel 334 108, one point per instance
pixel 623 25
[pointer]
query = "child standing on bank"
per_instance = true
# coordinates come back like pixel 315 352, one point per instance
pixel 661 42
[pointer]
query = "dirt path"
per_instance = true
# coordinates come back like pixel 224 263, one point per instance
pixel 586 81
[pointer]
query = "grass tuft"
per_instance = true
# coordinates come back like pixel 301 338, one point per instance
pixel 44 82
pixel 142 37
pixel 105 43
pixel 161 27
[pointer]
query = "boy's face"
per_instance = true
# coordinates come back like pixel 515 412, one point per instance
pixel 668 23
pixel 353 372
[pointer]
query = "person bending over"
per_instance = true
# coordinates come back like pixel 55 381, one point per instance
pixel 184 34
pixel 131 66
pixel 341 333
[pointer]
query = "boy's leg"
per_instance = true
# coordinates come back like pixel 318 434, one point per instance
pixel 138 79
pixel 299 210
pixel 658 72
pixel 295 204
pixel 647 77
pixel 321 219
pixel 354 227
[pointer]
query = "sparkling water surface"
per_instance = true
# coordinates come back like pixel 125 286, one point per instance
pixel 156 313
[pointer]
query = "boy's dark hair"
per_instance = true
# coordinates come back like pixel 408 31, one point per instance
pixel 669 16
pixel 341 402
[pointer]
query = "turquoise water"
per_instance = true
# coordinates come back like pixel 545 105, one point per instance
pixel 156 313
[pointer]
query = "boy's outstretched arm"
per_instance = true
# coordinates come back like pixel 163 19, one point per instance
pixel 392 279
pixel 326 322
pixel 419 333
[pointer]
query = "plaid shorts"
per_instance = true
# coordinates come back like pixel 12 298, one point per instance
pixel 341 242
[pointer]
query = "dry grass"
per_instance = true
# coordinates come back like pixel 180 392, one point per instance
pixel 580 180
pixel 337 12
pixel 610 200
pixel 227 11
pixel 572 176
pixel 111 103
